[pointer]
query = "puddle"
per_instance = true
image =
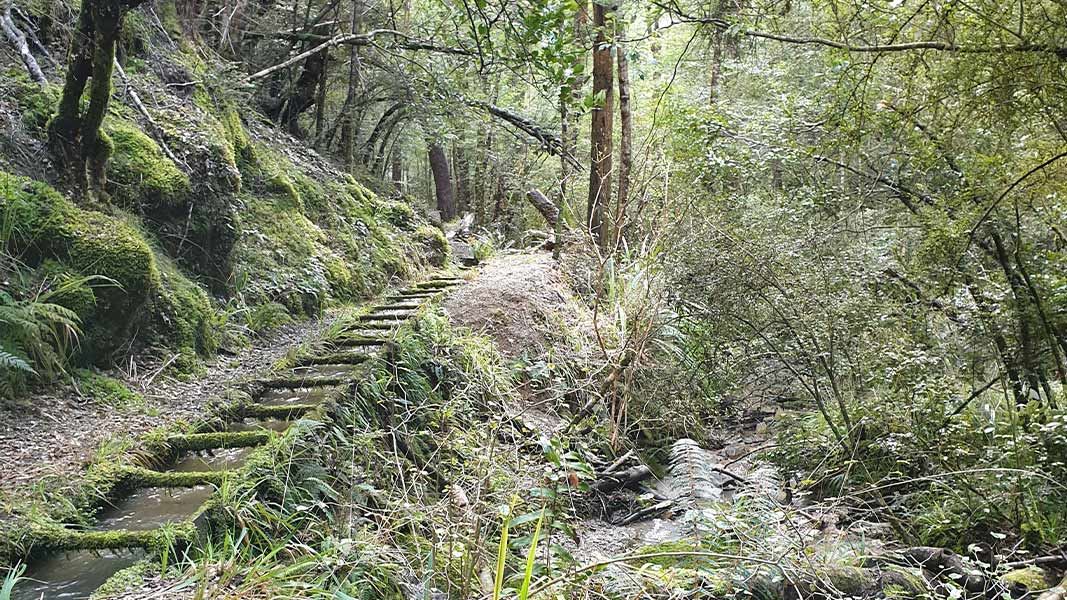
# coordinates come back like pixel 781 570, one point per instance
pixel 312 371
pixel 226 459
pixel 283 397
pixel 73 575
pixel 259 425
pixel 149 508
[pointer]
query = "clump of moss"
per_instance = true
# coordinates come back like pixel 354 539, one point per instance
pixel 398 214
pixel 139 173
pixel 434 244
pixel 105 390
pixel 36 103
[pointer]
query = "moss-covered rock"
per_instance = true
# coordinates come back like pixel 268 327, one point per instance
pixel 104 269
pixel 140 175
pixel 434 244
pixel 107 248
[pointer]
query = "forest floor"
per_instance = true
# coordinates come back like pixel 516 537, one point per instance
pixel 57 434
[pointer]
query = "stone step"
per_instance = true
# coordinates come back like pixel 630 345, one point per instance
pixel 350 341
pixel 334 358
pixel 397 306
pixel 290 383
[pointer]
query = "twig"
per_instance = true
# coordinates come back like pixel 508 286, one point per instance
pixel 157 131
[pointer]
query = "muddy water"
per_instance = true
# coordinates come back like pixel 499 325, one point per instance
pixel 281 397
pixel 217 460
pixel 259 425
pixel 72 575
pixel 149 508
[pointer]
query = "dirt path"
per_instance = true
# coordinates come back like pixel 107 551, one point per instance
pixel 57 434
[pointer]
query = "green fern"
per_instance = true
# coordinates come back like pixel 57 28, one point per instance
pixel 12 362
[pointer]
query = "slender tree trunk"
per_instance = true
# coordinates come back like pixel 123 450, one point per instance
pixel 442 181
pixel 463 179
pixel 397 166
pixel 600 137
pixel 483 178
pixel 372 142
pixel 625 145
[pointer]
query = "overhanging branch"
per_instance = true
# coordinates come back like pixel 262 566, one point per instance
pixel 403 41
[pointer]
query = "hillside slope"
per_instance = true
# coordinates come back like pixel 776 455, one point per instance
pixel 213 226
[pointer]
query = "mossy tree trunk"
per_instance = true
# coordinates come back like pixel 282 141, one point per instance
pixel 75 135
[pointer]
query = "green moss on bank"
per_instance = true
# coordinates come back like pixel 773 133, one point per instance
pixel 122 285
pixel 139 172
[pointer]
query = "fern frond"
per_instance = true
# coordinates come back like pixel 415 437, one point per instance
pixel 12 362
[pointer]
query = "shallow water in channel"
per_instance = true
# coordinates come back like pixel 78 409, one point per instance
pixel 72 575
pixel 282 397
pixel 148 508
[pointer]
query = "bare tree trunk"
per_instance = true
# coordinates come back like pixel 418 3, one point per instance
pixel 600 136
pixel 626 129
pixel 569 125
pixel 442 181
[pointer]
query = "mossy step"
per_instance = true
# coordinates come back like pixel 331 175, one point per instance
pixel 281 412
pixel 291 383
pixel 398 306
pixel 371 326
pixel 372 318
pixel 436 285
pixel 141 478
pixel 219 439
pixel 335 358
pixel 60 539
pixel 358 341
pixel 417 293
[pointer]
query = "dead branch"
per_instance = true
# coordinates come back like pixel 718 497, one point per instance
pixel 543 206
pixel 15 36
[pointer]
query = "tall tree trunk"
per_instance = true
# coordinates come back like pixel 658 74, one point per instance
pixel 442 181
pixel 626 129
pixel 461 158
pixel 600 137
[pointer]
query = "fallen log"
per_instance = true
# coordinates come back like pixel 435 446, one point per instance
pixel 624 479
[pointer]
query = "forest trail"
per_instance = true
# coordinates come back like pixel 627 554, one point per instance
pixel 159 488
